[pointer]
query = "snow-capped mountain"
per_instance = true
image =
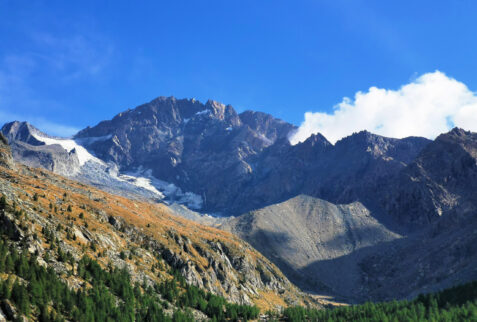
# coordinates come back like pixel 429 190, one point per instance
pixel 206 150
pixel 70 158
pixel 363 208
pixel 166 150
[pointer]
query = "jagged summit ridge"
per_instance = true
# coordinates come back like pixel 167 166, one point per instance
pixel 185 142
pixel 22 131
pixel 212 159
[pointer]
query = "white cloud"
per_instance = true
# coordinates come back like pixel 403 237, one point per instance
pixel 428 106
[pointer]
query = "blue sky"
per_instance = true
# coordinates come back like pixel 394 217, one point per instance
pixel 65 64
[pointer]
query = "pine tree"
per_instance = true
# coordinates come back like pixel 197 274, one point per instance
pixel 21 298
pixel 3 202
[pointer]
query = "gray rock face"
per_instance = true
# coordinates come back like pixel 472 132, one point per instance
pixel 441 180
pixel 442 255
pixel 34 153
pixel 303 231
pixel 233 162
pixel 385 205
pixel 6 159
pixel 21 131
pixel 343 251
pixel 412 231
pixel 240 162
pixel 351 170
pixel 188 143
pixel 50 157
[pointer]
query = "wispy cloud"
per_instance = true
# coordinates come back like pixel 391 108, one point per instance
pixel 18 101
pixel 431 104
pixel 59 59
pixel 74 55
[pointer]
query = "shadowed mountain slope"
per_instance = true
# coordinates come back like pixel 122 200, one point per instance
pixel 347 218
pixel 304 230
pixel 343 251
pixel 218 160
pixel 144 238
pixel 431 204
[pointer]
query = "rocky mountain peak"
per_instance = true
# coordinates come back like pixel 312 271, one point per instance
pixel 364 139
pixel 214 105
pixel 377 146
pixel 316 140
pixel 363 194
pixel 440 180
pixel 459 132
pixel 266 125
pixel 465 139
pixel 160 113
pixel 22 131
pixel 232 162
pixel 220 112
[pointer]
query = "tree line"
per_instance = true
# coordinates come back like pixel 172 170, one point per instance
pixel 454 304
pixel 108 294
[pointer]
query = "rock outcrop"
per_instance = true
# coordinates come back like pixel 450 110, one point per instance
pixel 231 163
pixel 186 143
pixel 30 151
pixel 144 238
pixel 240 162
pixel 441 180
pixel 417 223
pixel 301 232
pixel 372 204
pixel 6 159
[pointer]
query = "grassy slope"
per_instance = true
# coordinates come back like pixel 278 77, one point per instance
pixel 78 215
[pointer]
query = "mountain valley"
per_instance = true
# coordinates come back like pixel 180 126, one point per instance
pixel 367 218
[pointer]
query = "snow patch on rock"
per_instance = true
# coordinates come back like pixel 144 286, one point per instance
pixel 170 192
pixel 69 145
pixel 107 176
pixel 203 112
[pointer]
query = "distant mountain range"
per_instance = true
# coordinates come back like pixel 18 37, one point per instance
pixel 369 217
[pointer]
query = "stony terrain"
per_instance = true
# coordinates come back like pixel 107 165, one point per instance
pixel 143 237
pixel 303 231
pixel 248 155
pixel 343 251
pixel 419 234
pixel 368 217
pixel 226 162
pixel 186 143
pixel 441 180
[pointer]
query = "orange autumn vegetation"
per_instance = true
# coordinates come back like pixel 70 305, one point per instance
pixel 67 201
